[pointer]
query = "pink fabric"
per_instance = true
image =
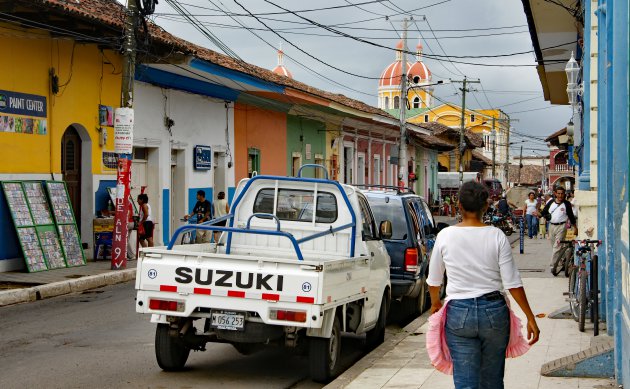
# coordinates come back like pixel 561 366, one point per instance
pixel 438 349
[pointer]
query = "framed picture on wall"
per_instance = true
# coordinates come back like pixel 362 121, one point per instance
pixel 202 157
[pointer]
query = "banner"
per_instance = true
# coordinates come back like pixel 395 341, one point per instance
pixel 23 113
pixel 123 131
pixel 119 240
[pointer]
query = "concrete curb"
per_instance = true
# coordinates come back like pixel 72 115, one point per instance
pixel 377 354
pixel 60 288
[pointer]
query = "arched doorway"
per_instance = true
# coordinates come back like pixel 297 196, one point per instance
pixel 71 169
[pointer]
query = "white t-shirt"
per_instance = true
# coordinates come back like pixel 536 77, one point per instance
pixel 141 213
pixel 477 260
pixel 558 212
pixel 531 206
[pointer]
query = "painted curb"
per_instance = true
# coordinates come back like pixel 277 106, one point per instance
pixel 60 288
pixel 377 354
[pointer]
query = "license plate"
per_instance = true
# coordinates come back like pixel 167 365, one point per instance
pixel 223 320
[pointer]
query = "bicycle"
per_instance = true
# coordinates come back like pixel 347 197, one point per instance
pixel 188 237
pixel 580 296
pixel 565 260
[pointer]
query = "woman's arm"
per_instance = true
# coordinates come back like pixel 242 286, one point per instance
pixel 436 303
pixel 521 299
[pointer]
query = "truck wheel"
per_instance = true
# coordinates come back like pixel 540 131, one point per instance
pixel 324 355
pixel 170 351
pixel 376 335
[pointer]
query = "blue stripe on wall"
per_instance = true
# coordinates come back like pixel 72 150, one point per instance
pixel 9 247
pixel 230 194
pixel 192 197
pixel 166 215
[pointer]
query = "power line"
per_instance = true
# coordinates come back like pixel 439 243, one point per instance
pixel 536 109
pixel 520 101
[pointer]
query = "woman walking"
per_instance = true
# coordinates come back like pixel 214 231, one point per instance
pixel 531 215
pixel 479 266
pixel 145 224
pixel 221 208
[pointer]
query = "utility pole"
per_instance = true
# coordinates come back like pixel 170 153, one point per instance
pixel 402 151
pixel 520 165
pixel 494 144
pixel 123 141
pixel 462 144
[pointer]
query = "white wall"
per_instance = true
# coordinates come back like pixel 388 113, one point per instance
pixel 199 120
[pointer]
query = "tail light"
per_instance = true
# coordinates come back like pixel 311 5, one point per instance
pixel 166 305
pixel 285 315
pixel 411 259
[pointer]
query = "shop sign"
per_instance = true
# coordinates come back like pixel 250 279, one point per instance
pixel 23 113
pixel 203 157
pixel 123 131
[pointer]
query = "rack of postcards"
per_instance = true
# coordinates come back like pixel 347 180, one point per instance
pixel 23 222
pixel 39 230
pixel 66 225
pixel 44 224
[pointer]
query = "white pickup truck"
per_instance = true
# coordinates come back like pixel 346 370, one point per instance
pixel 280 275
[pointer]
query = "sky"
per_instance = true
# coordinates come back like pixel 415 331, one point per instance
pixel 444 27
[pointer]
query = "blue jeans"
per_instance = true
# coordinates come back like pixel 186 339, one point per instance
pixel 532 225
pixel 477 335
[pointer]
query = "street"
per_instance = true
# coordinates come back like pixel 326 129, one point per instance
pixel 96 340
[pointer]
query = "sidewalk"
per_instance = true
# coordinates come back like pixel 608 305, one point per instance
pixel 20 287
pixel 407 364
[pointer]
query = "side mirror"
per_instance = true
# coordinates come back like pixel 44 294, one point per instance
pixel 441 226
pixel 385 229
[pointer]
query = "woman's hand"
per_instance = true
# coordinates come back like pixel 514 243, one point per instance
pixel 532 331
pixel 436 307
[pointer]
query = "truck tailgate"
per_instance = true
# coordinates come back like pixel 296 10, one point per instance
pixel 218 281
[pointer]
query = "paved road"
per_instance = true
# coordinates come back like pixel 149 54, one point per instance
pixel 96 340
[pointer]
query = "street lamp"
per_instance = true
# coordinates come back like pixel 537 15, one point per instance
pixel 572 69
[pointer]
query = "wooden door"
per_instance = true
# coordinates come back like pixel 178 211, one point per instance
pixel 71 169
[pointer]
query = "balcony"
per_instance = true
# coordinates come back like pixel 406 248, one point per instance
pixel 561 168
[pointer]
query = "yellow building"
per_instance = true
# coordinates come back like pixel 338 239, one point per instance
pixel 54 87
pixel 479 122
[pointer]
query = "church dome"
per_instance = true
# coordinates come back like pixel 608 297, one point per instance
pixel 391 75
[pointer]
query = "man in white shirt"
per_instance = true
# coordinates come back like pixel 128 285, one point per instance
pixel 558 211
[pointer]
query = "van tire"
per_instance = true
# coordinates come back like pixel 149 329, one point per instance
pixel 170 351
pixel 325 354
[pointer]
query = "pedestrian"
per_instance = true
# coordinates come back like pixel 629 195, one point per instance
pixel 202 212
pixel 531 212
pixel 145 222
pixel 479 266
pixel 558 211
pixel 221 208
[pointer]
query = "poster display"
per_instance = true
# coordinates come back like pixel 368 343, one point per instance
pixel 33 254
pixel 38 203
pixel 66 226
pixel 62 209
pixel 71 244
pixel 49 242
pixel 23 222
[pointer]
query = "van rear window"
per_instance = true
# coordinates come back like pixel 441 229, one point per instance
pixel 297 205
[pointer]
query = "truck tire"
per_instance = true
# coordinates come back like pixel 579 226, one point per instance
pixel 324 355
pixel 170 351
pixel 376 336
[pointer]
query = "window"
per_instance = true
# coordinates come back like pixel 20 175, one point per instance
pixel 369 229
pixel 472 117
pixel 416 102
pixel 386 102
pixel 396 102
pixel 426 118
pixel 377 169
pixel 253 161
pixel 390 208
pixel 140 153
pixel 297 205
